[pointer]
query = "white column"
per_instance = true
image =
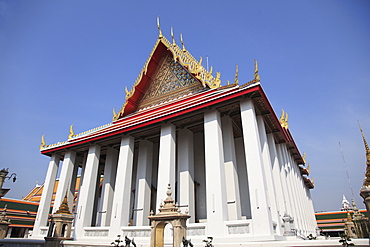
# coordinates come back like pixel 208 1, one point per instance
pixel 109 182
pixel 215 174
pixel 122 192
pixel 284 182
pixel 47 194
pixel 243 179
pixel 87 192
pixel 267 166
pixel 291 188
pixel 143 183
pixel 166 163
pixel 185 161
pixel 280 199
pixel 232 185
pixel 65 180
pixel 261 215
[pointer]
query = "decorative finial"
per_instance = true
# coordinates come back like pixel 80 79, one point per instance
pixel 71 132
pixel 169 192
pixel 304 157
pixel 228 82
pixel 114 113
pixel 64 209
pixel 367 174
pixel 256 75
pixel 236 79
pixel 284 119
pixel 159 28
pixel 308 168
pixel 43 144
pixel 173 37
pixel 182 43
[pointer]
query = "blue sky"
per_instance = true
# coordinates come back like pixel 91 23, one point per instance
pixel 68 62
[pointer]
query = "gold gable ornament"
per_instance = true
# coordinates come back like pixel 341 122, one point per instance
pixel 182 57
pixel 284 119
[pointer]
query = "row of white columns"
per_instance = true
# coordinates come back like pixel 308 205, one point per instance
pixel 275 186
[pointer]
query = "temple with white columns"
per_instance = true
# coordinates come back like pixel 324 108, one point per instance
pixel 233 166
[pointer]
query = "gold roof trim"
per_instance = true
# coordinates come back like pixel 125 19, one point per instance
pixel 181 55
pixel 71 135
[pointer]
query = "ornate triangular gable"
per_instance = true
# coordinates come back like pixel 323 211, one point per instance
pixel 169 73
pixel 171 81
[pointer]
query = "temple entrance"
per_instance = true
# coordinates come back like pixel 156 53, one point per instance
pixel 168 215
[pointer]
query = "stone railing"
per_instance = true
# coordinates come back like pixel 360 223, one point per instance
pixel 136 231
pixel 196 229
pixel 98 232
pixel 238 227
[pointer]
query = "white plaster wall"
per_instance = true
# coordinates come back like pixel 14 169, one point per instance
pixel 199 175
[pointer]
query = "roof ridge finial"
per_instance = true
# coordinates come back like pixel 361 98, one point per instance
pixel 367 174
pixel 43 144
pixel 256 75
pixel 71 132
pixel 182 43
pixel 236 79
pixel 159 28
pixel 173 37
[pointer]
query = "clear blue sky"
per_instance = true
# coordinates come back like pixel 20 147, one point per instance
pixel 68 62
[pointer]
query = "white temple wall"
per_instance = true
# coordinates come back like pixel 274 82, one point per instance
pixel 220 180
pixel 199 176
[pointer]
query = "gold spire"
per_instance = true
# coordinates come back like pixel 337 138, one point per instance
pixel 367 174
pixel 256 75
pixel 43 144
pixel 64 209
pixel 159 28
pixel 236 79
pixel 71 132
pixel 284 119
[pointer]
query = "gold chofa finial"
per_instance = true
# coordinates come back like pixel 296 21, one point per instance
pixel 367 174
pixel 304 157
pixel 173 37
pixel 71 132
pixel 159 28
pixel 284 119
pixel 308 168
pixel 182 43
pixel 256 75
pixel 236 79
pixel 114 113
pixel 43 144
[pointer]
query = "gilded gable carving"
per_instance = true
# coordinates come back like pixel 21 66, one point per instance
pixel 171 81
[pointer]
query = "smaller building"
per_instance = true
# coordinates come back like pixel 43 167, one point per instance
pixel 331 223
pixel 21 214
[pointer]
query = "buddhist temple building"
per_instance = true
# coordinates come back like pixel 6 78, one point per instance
pixel 232 164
